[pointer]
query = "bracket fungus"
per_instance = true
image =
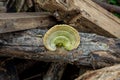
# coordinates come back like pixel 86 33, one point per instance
pixel 63 36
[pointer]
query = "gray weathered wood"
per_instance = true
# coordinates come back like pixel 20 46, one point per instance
pixel 94 50
pixel 10 22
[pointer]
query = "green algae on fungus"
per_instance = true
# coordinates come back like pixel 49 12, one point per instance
pixel 61 36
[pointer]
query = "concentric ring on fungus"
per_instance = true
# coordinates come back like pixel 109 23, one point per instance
pixel 61 36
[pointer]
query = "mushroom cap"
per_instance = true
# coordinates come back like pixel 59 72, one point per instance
pixel 61 36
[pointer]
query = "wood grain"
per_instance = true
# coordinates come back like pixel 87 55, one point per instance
pixel 95 51
pixel 10 22
pixel 108 73
pixel 85 15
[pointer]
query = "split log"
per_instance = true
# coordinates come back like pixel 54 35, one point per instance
pixel 10 22
pixel 85 15
pixel 94 50
pixel 108 73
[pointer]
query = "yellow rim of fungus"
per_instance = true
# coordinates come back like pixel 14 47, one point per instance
pixel 61 36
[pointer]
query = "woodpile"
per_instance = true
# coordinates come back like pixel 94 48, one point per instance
pixel 23 55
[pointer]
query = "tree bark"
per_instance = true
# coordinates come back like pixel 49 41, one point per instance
pixel 85 15
pixel 108 73
pixel 94 50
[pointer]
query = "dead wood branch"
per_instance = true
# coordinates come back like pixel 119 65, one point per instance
pixel 111 8
pixel 10 22
pixel 94 50
pixel 108 73
pixel 85 15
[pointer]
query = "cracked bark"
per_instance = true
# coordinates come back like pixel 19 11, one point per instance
pixel 95 51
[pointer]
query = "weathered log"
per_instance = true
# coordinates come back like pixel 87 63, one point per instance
pixel 10 22
pixel 85 15
pixel 112 8
pixel 94 50
pixel 108 73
